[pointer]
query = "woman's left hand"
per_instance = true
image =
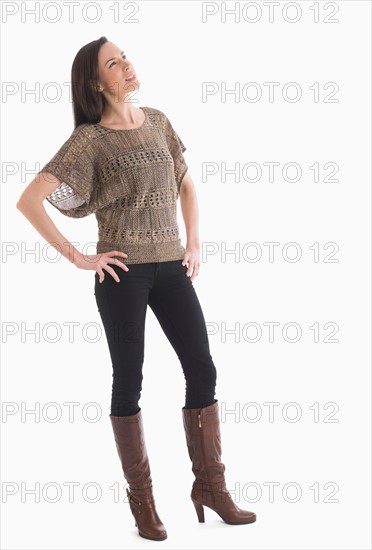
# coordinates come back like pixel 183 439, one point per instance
pixel 192 257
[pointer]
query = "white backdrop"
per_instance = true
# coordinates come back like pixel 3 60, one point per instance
pixel 273 104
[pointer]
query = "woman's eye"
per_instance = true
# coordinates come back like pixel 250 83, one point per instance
pixel 123 57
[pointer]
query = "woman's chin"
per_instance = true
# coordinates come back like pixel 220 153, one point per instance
pixel 129 86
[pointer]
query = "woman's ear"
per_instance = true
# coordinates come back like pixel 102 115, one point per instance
pixel 96 86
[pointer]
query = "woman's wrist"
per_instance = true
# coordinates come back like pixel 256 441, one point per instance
pixel 193 243
pixel 77 257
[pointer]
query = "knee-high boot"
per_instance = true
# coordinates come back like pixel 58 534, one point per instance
pixel 130 443
pixel 203 437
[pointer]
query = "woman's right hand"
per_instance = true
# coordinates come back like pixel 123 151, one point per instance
pixel 98 262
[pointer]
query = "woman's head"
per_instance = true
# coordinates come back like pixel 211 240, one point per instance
pixel 99 76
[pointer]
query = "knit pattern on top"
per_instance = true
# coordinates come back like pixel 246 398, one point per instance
pixel 130 179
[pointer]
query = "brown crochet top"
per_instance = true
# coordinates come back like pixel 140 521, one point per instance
pixel 130 179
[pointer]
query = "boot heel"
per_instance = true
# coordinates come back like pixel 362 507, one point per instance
pixel 199 511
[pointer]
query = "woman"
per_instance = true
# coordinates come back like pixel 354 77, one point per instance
pixel 126 165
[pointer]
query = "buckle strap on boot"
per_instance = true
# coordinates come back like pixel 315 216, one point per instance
pixel 131 446
pixel 135 504
pixel 138 502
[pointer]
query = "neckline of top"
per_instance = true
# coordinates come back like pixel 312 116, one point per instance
pixel 126 129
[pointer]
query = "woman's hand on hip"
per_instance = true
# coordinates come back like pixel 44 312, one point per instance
pixel 192 257
pixel 99 262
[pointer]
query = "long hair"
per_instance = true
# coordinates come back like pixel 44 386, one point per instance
pixel 87 103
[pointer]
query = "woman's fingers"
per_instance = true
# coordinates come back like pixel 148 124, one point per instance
pixel 119 263
pixel 195 273
pixel 116 262
pixel 101 275
pixel 112 272
pixel 118 253
pixel 107 257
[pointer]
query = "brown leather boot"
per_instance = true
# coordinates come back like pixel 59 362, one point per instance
pixel 130 443
pixel 203 437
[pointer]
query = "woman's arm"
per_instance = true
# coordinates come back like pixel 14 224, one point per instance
pixel 190 213
pixel 31 205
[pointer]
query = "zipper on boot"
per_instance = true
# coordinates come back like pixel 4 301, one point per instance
pixel 203 453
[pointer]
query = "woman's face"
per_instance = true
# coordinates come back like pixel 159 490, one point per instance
pixel 114 70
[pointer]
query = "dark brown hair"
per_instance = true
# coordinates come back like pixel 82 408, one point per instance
pixel 87 103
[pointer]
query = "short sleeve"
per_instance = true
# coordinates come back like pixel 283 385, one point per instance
pixel 176 149
pixel 74 165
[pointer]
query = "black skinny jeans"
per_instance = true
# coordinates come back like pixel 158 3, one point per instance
pixel 170 293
